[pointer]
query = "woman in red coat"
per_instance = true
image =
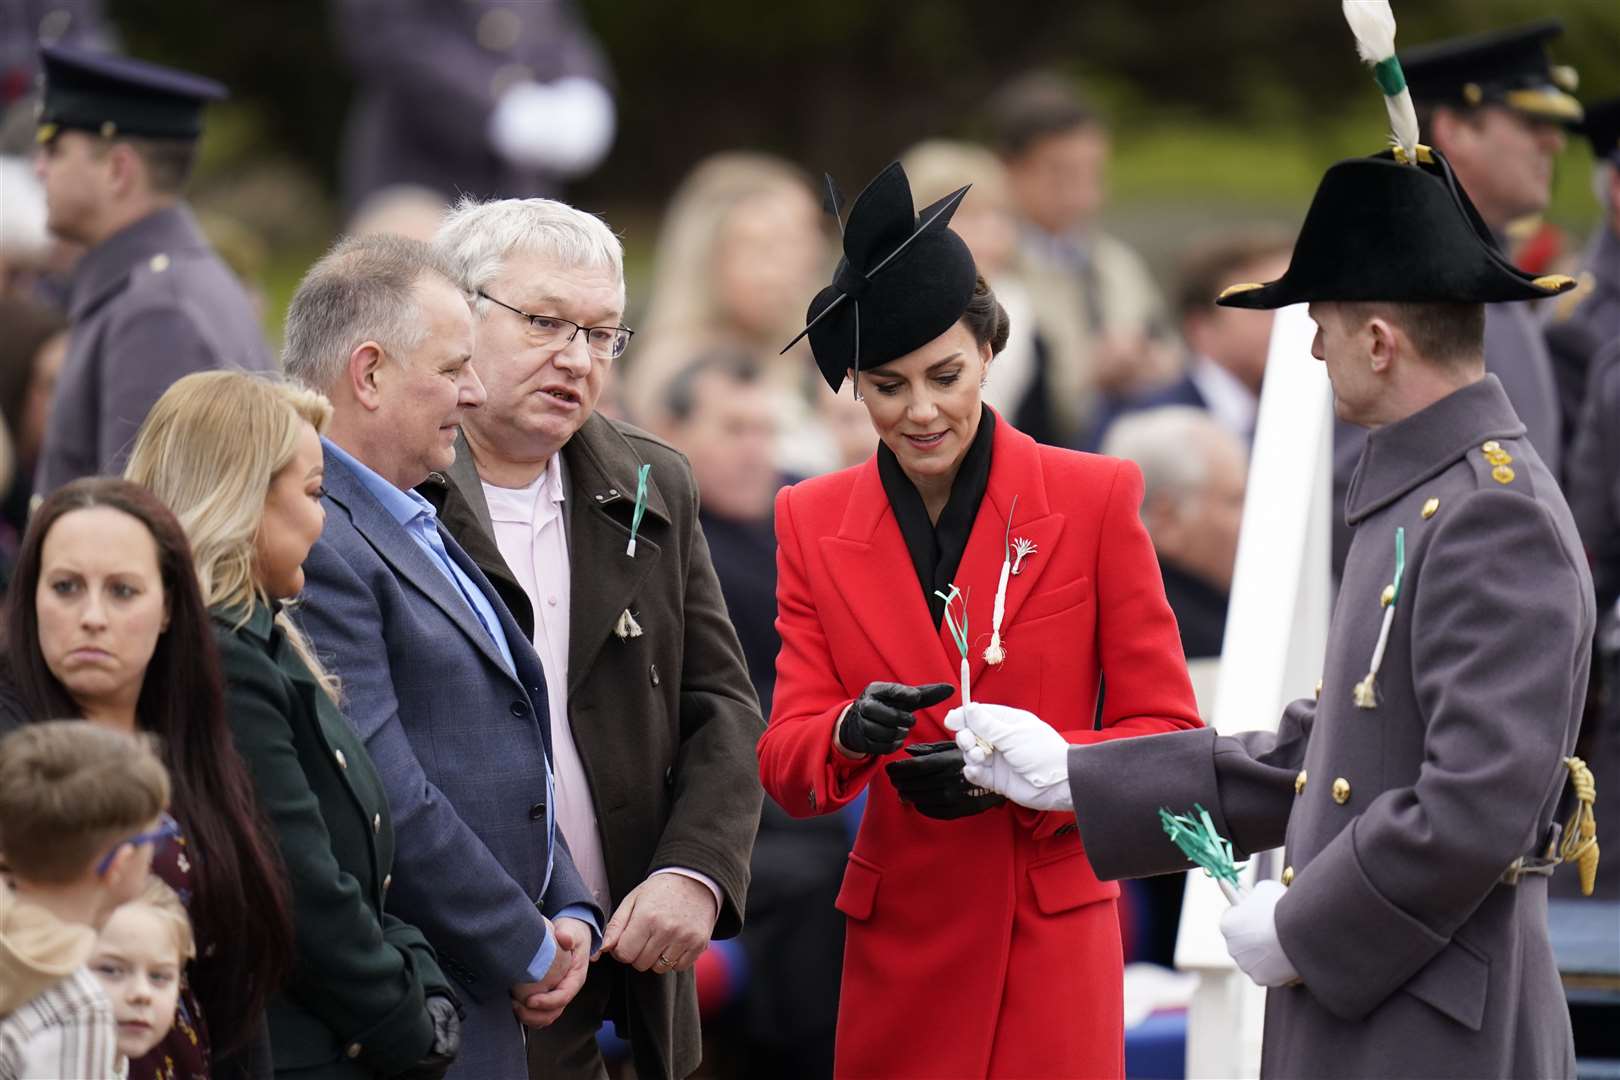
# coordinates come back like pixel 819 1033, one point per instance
pixel 980 943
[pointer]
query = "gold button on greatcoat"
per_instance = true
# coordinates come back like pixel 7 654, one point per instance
pixel 343 762
pixel 1341 791
pixel 353 1051
pixel 1502 474
pixel 1288 876
pixel 388 880
pixel 376 823
pixel 1299 783
pixel 159 263
pixel 1430 508
pixel 1491 447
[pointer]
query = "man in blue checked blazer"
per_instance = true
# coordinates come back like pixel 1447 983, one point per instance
pixel 438 679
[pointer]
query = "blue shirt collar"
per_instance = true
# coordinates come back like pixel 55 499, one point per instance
pixel 403 506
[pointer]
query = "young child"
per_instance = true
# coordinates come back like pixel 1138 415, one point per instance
pixel 80 808
pixel 139 958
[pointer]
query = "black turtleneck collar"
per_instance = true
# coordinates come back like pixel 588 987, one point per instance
pixel 936 549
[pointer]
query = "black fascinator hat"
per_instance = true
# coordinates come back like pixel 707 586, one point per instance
pixel 1380 229
pixel 904 279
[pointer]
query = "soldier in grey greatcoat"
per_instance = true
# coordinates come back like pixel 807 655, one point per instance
pixel 1418 793
pixel 1499 110
pixel 150 301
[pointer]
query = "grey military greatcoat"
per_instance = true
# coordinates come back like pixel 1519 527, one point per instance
pixel 150 304
pixel 1416 957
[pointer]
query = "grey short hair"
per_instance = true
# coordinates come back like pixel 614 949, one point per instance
pixel 1169 444
pixel 478 236
pixel 364 289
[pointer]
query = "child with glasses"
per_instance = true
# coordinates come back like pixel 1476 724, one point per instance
pixel 80 809
pixel 140 959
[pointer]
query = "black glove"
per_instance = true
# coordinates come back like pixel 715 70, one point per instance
pixel 931 780
pixel 446 1041
pixel 881 717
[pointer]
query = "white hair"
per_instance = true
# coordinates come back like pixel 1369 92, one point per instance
pixel 1172 445
pixel 477 238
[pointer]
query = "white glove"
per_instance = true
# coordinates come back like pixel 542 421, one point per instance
pixel 565 127
pixel 1029 763
pixel 1250 927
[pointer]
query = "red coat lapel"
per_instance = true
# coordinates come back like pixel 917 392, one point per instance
pixel 872 569
pixel 1015 469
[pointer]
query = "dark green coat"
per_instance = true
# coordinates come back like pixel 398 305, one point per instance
pixel 354 1006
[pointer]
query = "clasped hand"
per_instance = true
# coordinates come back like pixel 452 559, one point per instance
pixel 538 1004
pixel 1028 761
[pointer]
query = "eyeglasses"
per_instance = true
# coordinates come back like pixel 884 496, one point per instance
pixel 167 828
pixel 603 342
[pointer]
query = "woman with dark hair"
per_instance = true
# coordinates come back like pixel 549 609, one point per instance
pixel 961 546
pixel 104 620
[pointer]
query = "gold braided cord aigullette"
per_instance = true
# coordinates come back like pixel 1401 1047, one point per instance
pixel 1580 844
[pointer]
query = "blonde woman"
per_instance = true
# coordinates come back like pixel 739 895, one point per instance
pixel 238 459
pixel 743 241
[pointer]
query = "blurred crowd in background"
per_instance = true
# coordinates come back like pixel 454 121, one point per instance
pixel 1106 216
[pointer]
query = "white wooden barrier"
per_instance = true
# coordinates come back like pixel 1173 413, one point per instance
pixel 1276 634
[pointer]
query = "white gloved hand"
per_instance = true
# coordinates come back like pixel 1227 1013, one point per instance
pixel 565 127
pixel 1029 763
pixel 1250 928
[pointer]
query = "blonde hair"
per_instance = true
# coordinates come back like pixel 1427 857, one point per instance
pixel 937 167
pixel 166 904
pixel 210 449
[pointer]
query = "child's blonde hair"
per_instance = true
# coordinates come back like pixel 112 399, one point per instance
pixel 165 903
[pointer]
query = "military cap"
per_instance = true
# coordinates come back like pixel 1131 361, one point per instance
pixel 905 278
pixel 115 95
pixel 1503 67
pixel 1380 229
pixel 1602 127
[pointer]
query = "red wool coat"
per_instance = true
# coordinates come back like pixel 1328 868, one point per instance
pixel 982 947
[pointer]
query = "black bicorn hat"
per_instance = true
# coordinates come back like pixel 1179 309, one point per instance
pixel 115 95
pixel 1504 67
pixel 1602 128
pixel 1382 230
pixel 905 279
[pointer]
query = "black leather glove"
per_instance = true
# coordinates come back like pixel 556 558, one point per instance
pixel 880 719
pixel 446 1041
pixel 931 780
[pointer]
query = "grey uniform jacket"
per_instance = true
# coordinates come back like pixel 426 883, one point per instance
pixel 428 75
pixel 1599 312
pixel 462 747
pixel 149 305
pixel 1416 958
pixel 1516 353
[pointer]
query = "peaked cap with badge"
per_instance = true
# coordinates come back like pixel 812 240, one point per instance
pixel 1381 229
pixel 150 303
pixel 1503 67
pixel 905 278
pixel 116 95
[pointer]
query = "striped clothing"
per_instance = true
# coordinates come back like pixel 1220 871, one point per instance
pixel 64 1033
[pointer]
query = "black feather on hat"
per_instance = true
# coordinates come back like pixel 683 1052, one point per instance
pixel 904 280
pixel 1382 230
